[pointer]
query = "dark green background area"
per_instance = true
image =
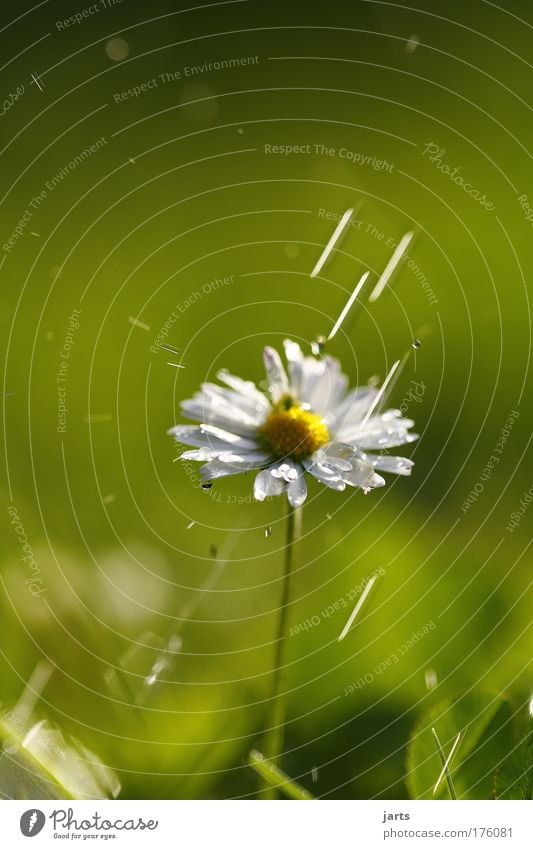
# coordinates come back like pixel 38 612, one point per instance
pixel 182 194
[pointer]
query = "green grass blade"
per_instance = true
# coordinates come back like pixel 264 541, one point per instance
pixel 445 763
pixel 44 764
pixel 275 777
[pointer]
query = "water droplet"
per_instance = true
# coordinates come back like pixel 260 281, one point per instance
pixel 117 49
pixel 431 679
pixel 268 531
pixel 190 525
pixel 207 485
pixel 412 44
pixel 328 515
pixel 10 747
pixel 314 774
pixel 240 131
pixel 416 343
pixel 319 345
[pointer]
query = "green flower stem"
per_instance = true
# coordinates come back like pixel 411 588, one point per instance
pixel 274 737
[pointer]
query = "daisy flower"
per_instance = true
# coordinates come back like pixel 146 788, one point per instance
pixel 307 422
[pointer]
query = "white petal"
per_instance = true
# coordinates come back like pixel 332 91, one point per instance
pixel 327 387
pixel 231 403
pixel 266 485
pixel 381 431
pixel 392 418
pixel 385 439
pixel 218 468
pixel 278 384
pixel 245 457
pixel 297 489
pixel 231 420
pixel 245 388
pixel 226 436
pixel 295 359
pixel 311 372
pixel 200 454
pixel 293 352
pixel 201 437
pixel 352 409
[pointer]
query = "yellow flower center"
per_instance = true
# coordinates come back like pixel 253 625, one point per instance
pixel 292 431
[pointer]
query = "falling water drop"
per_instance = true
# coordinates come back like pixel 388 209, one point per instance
pixel 318 346
pixel 412 44
pixel 207 485
pixel 430 677
pixel 416 343
pixel 350 304
pixel 117 49
pixel 339 230
pixel 268 531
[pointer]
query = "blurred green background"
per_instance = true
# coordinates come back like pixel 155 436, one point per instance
pixel 181 193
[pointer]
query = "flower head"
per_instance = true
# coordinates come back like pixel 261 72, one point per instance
pixel 308 421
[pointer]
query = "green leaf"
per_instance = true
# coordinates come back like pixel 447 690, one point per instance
pixel 44 765
pixel 484 721
pixel 275 777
